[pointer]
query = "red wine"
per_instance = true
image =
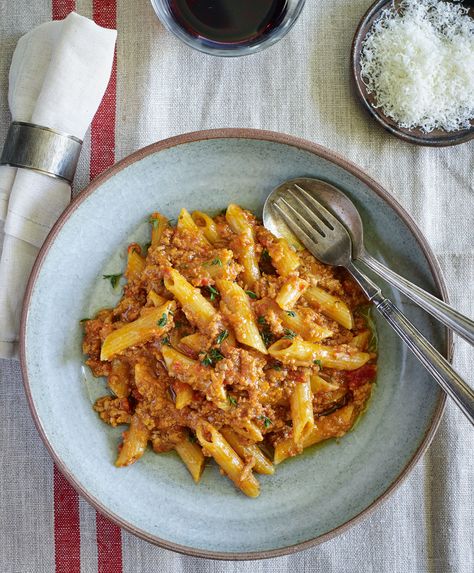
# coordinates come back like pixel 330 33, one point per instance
pixel 228 21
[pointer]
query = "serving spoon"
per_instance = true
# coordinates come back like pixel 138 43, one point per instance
pixel 347 212
pixel 329 241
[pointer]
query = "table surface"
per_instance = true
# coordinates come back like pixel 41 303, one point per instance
pixel 300 86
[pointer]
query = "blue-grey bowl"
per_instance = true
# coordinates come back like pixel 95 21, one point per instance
pixel 310 498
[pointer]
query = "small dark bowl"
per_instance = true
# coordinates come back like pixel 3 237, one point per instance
pixel 437 137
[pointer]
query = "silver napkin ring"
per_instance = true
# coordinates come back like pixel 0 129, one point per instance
pixel 42 149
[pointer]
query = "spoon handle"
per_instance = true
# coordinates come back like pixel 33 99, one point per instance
pixel 432 360
pixel 446 314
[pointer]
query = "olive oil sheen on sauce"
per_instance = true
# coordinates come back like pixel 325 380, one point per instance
pixel 228 21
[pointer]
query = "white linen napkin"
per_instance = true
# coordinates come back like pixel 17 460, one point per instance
pixel 58 76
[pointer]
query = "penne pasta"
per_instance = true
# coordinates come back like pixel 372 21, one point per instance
pixel 248 452
pixel 156 299
pixel 309 330
pixel 361 340
pixel 217 446
pixel 318 384
pixel 135 441
pixel 185 222
pixel 192 456
pixel 207 226
pixel 245 247
pixel 284 258
pixel 302 353
pixel 148 326
pixel 158 224
pixel 236 307
pixel 301 403
pixel 332 426
pixel 119 377
pixel 135 263
pixel 330 305
pixel 184 394
pixel 197 309
pixel 290 292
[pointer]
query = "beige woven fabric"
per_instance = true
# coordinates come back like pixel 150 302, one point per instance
pixel 300 86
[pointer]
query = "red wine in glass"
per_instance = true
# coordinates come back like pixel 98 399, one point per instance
pixel 228 21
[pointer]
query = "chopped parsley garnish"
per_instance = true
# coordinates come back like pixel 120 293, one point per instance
pixel 114 279
pixel 214 292
pixel 266 421
pixel 267 337
pixel 261 320
pixel 251 294
pixel 277 366
pixel 266 255
pixel 232 400
pixel 84 320
pixel 146 246
pixel 222 336
pixel 163 320
pixel 291 313
pixel 214 262
pixel 166 341
pixel 290 334
pixel 318 363
pixel 211 357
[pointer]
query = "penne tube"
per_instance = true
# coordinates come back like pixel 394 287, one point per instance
pixel 207 226
pixel 119 377
pixel 290 292
pixel 175 360
pixel 135 441
pixel 184 394
pixel 185 222
pixel 318 384
pixel 245 248
pixel 330 305
pixel 135 263
pixel 156 299
pixel 301 353
pixel 236 306
pixel 194 342
pixel 140 331
pixel 217 446
pixel 158 224
pixel 332 426
pixel 307 329
pixel 197 309
pixel 284 258
pixel 361 340
pixel 249 430
pixel 301 404
pixel 192 456
pixel 249 451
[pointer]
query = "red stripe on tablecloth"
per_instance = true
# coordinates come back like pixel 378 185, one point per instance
pixel 61 8
pixel 109 538
pixel 67 535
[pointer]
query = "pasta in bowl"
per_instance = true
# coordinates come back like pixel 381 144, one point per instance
pixel 230 344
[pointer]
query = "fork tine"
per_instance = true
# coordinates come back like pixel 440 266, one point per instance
pixel 304 232
pixel 309 214
pixel 326 216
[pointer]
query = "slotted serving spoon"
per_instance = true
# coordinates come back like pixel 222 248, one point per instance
pixel 328 240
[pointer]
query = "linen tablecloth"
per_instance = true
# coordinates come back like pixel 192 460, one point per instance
pixel 299 86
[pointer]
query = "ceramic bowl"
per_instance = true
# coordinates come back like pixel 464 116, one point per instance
pixel 435 138
pixel 311 497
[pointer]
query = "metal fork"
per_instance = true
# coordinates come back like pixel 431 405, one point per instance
pixel 329 241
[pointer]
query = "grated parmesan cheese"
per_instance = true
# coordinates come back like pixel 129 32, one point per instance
pixel 418 61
